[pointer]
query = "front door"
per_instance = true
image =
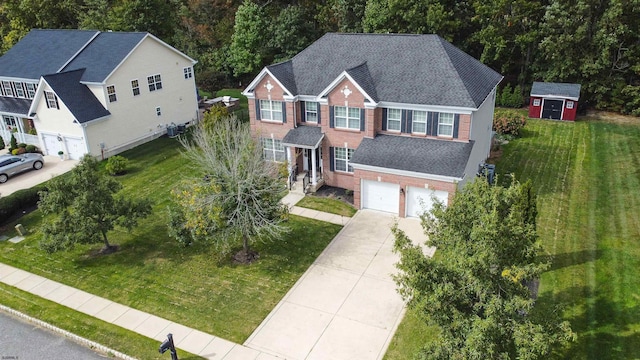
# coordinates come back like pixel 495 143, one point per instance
pixel 552 109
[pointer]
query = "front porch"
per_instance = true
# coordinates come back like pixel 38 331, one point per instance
pixel 19 128
pixel 304 158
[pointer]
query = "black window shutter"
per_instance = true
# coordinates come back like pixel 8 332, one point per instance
pixel 456 125
pixel 384 118
pixel 57 105
pixel 362 119
pixel 403 121
pixel 409 121
pixel 46 101
pixel 429 121
pixel 257 109
pixel 284 112
pixel 331 165
pixel 434 124
pixel 331 118
pixel 303 111
pixel 318 110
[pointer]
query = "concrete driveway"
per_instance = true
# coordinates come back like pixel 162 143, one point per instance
pixel 345 306
pixel 53 167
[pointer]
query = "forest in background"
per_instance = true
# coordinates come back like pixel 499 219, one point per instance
pixel 592 42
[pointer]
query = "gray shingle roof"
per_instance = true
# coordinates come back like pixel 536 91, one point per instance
pixel 303 136
pixel 427 156
pixel 42 52
pixel 415 69
pixel 556 89
pixel 284 73
pixel 104 53
pixel 362 76
pixel 14 105
pixel 77 97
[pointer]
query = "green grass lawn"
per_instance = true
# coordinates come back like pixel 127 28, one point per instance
pixel 152 273
pixel 587 175
pixel 333 206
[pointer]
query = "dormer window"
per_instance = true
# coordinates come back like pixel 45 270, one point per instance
pixel 52 100
pixel 6 88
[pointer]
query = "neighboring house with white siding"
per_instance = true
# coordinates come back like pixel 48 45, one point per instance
pixel 92 92
pixel 395 118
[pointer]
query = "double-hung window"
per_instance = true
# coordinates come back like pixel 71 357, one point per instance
pixel 272 150
pixel 6 88
pixel 347 118
pixel 394 118
pixel 19 89
pixel 188 72
pixel 111 92
pixel 155 82
pixel 342 157
pixel 419 122
pixel 445 124
pixel 271 110
pixel 135 87
pixel 311 112
pixel 31 90
pixel 52 100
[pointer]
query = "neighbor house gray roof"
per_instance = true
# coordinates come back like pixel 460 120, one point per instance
pixel 104 54
pixel 42 52
pixel 414 69
pixel 76 96
pixel 14 105
pixel 556 89
pixel 420 155
pixel 303 136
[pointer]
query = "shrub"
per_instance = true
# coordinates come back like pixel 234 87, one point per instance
pixel 31 148
pixel 18 151
pixel 2 144
pixel 33 131
pixel 18 201
pixel 22 145
pixel 14 143
pixel 508 122
pixel 117 165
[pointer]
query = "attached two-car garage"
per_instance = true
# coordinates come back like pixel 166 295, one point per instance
pixel 73 147
pixel 384 196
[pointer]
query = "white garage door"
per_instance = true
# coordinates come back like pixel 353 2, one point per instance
pixel 380 196
pixel 51 144
pixel 415 207
pixel 75 148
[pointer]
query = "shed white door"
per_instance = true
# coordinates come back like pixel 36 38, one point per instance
pixel 380 196
pixel 75 147
pixel 51 144
pixel 419 200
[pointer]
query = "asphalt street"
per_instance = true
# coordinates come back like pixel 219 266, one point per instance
pixel 21 340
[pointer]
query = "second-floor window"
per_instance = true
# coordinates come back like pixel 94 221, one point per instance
pixel 347 118
pixel 272 150
pixel 188 72
pixel 394 119
pixel 52 100
pixel 271 110
pixel 19 89
pixel 419 122
pixel 31 90
pixel 311 112
pixel 6 88
pixel 155 82
pixel 135 87
pixel 111 92
pixel 445 124
pixel 342 157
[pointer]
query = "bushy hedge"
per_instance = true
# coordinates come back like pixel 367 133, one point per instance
pixel 117 165
pixel 510 97
pixel 508 122
pixel 18 201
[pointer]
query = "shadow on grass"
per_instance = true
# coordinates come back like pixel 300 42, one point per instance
pixel 560 261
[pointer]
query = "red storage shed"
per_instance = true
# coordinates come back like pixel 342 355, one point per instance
pixel 558 101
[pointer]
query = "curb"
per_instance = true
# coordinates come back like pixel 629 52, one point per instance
pixel 78 339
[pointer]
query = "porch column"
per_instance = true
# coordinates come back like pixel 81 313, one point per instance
pixel 313 167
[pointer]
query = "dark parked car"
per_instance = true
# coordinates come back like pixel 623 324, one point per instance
pixel 11 165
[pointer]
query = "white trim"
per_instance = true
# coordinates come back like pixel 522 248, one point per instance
pixel 8 78
pixel 79 51
pixel 38 95
pixel 561 112
pixel 90 122
pixel 337 80
pixel 249 90
pixel 2 113
pixel 413 174
pixel 432 108
pixel 555 97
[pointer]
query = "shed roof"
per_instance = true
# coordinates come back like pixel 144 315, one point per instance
pixel 549 89
pixel 303 136
pixel 14 105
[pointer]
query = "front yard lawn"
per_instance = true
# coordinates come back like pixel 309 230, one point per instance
pixel 332 206
pixel 587 176
pixel 153 273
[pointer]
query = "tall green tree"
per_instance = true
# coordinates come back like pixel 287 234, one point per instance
pixel 341 15
pixel 234 198
pixel 159 17
pixel 475 287
pixel 83 206
pixel 291 32
pixel 249 50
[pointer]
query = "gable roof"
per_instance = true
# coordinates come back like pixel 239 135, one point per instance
pixel 419 155
pixel 566 90
pixel 76 96
pixel 43 52
pixel 104 54
pixel 414 69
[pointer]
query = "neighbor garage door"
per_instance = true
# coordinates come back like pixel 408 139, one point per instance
pixel 420 200
pixel 380 196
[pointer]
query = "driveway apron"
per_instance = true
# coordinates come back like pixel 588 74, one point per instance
pixel 345 306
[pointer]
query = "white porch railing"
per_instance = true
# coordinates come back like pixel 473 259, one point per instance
pixel 20 138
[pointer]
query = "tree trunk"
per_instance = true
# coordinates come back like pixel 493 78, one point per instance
pixel 107 246
pixel 245 243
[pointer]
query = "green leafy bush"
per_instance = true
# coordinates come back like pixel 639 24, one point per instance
pixel 508 122
pixel 510 97
pixel 14 143
pixel 117 165
pixel 19 201
pixel 18 151
pixel 31 148
pixel 22 145
pixel 2 144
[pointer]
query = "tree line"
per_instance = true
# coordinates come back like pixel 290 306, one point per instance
pixel 592 42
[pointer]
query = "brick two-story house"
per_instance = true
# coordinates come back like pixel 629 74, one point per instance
pixel 398 119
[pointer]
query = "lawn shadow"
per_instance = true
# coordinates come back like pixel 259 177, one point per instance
pixel 560 261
